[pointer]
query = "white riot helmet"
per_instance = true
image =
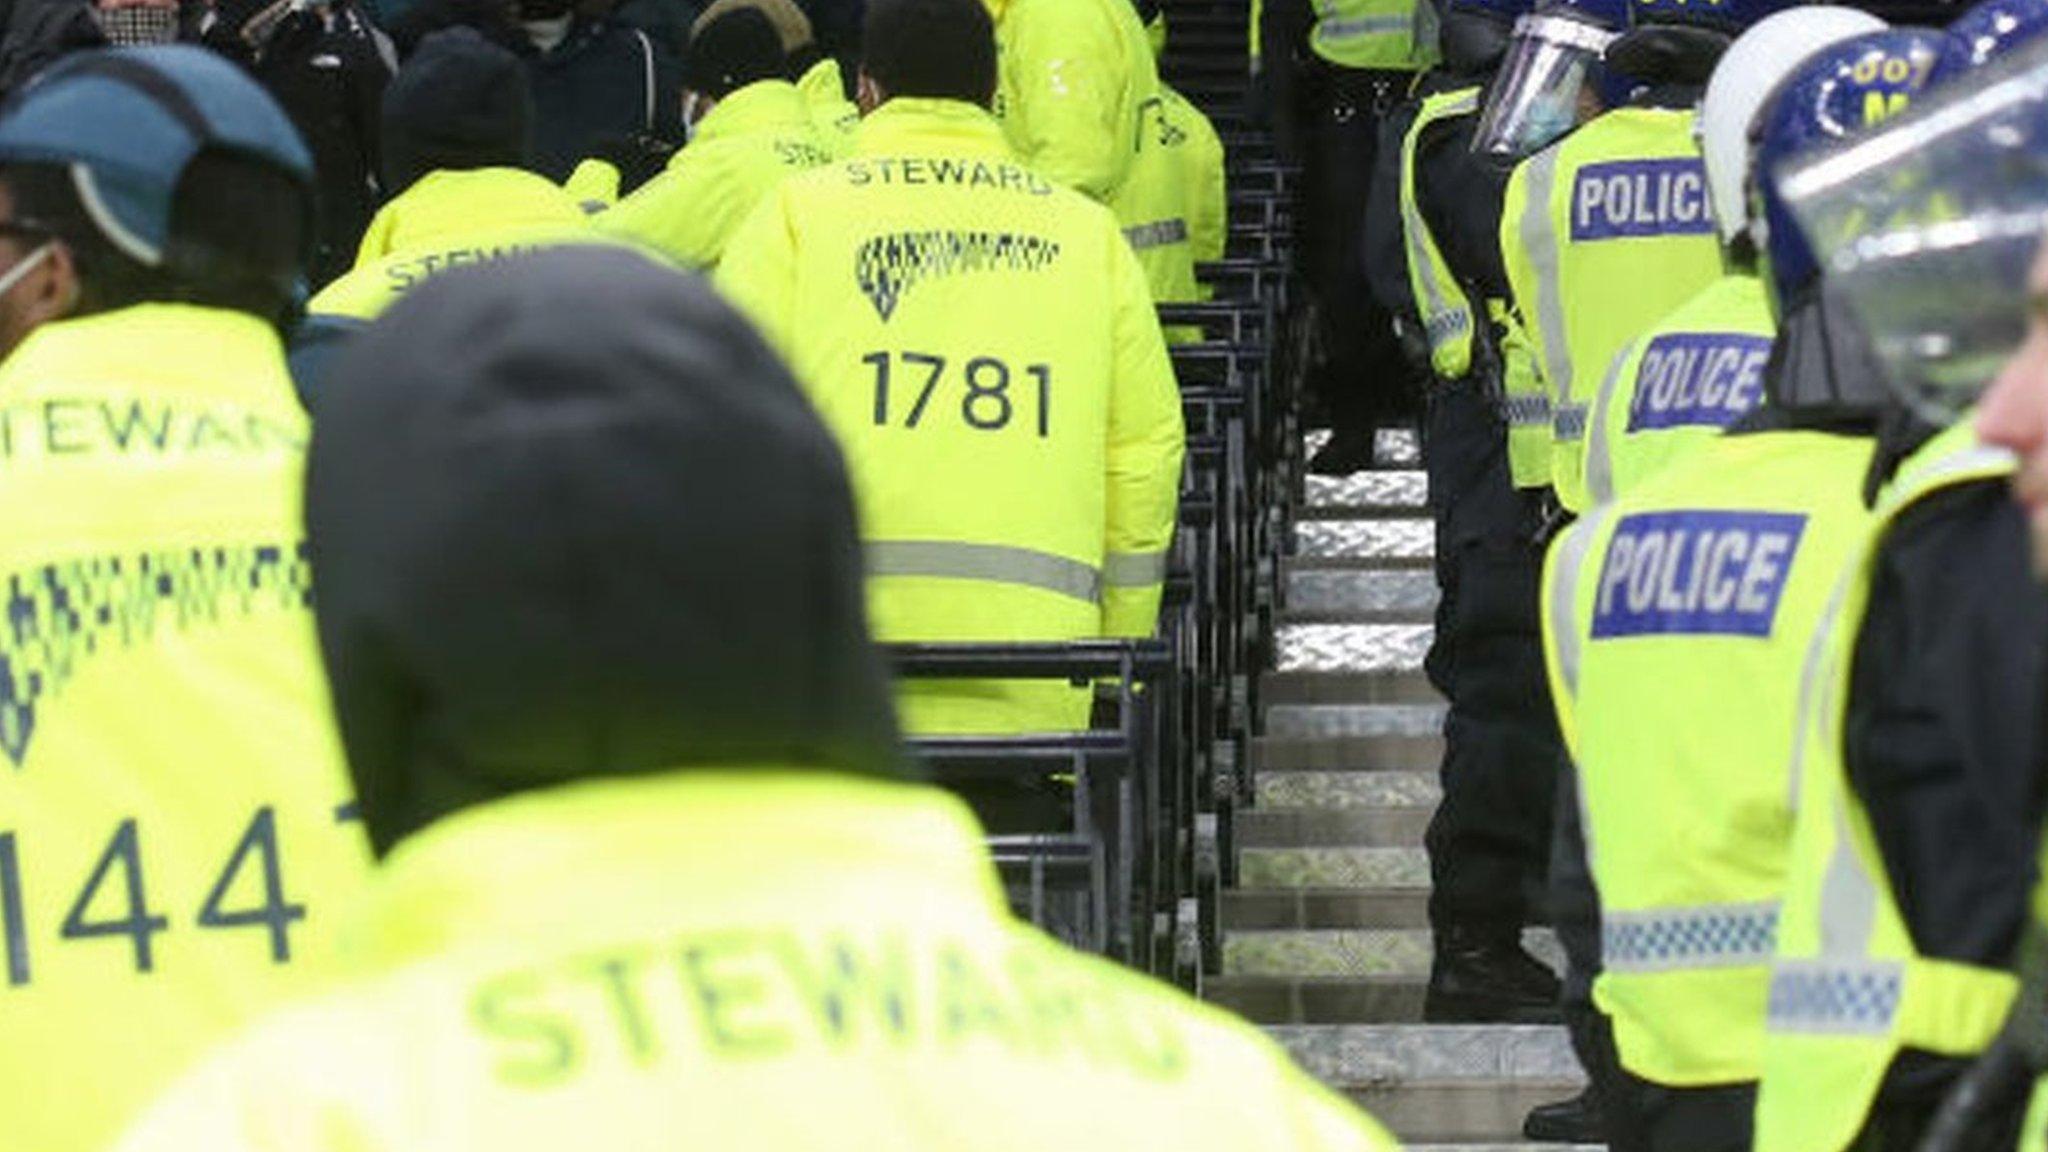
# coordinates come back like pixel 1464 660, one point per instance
pixel 1745 77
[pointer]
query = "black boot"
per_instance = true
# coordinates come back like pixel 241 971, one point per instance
pixel 1346 452
pixel 1573 1121
pixel 1487 978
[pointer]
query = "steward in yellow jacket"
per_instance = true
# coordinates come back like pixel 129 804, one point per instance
pixel 177 837
pixel 456 143
pixel 815 74
pixel 1073 78
pixel 750 129
pixel 664 880
pixel 993 366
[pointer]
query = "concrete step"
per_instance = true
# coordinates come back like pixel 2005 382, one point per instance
pixel 1353 647
pixel 1352 952
pixel 1336 791
pixel 1381 827
pixel 1410 687
pixel 1360 596
pixel 1333 868
pixel 1332 721
pixel 1411 539
pixel 1382 492
pixel 1392 448
pixel 1281 909
pixel 1440 1083
pixel 1385 751
pixel 1391 999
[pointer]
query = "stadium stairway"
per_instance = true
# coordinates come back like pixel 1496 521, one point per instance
pixel 1326 934
pixel 1324 917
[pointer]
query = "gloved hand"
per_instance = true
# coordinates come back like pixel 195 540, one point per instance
pixel 639 157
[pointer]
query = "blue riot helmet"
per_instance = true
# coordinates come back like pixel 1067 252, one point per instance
pixel 1834 95
pixel 1987 31
pixel 1680 41
pixel 1473 35
pixel 1552 58
pixel 1928 226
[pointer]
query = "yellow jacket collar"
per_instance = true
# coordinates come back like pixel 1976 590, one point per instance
pixel 499 870
pixel 760 106
pixel 916 124
pixel 182 349
pixel 997 9
pixel 445 206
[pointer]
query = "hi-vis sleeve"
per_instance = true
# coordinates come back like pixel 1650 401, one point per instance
pixel 1147 439
pixel 1069 115
pixel 758 274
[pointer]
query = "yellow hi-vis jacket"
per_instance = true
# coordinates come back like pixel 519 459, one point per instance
pixel 982 343
pixel 1376 35
pixel 1202 175
pixel 832 114
pixel 760 960
pixel 1849 990
pixel 748 143
pixel 1603 233
pixel 1072 76
pixel 1677 622
pixel 176 829
pixel 445 220
pixel 1677 385
pixel 1174 206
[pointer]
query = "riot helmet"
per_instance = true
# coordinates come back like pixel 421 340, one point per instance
pixel 1928 227
pixel 1753 66
pixel 1986 32
pixel 1473 35
pixel 1552 59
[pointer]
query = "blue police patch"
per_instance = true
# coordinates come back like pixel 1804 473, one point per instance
pixel 1704 379
pixel 1696 573
pixel 1635 198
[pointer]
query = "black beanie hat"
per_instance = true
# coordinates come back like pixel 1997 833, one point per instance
pixel 733 50
pixel 459 102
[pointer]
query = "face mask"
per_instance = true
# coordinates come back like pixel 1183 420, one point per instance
pixel 132 27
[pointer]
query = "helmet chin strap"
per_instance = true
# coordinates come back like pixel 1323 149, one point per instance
pixel 27 264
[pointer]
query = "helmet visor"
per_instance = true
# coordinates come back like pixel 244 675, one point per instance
pixel 1535 98
pixel 1929 226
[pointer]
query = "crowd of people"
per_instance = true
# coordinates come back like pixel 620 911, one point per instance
pixel 618 377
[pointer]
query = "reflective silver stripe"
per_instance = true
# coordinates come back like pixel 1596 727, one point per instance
pixel 1564 593
pixel 1848 896
pixel 1539 235
pixel 1447 311
pixel 1702 936
pixel 1528 411
pixel 1600 442
pixel 1568 422
pixel 1329 29
pixel 1978 458
pixel 1157 234
pixel 996 563
pixel 1858 998
pixel 1133 569
pixel 1806 712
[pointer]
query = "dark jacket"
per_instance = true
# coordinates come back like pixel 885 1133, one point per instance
pixel 1942 738
pixel 571 518
pixel 607 81
pixel 327 66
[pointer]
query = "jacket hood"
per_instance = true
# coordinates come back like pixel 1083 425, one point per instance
pixel 451 206
pixel 570 519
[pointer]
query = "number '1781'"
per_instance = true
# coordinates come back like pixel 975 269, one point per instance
pixel 986 403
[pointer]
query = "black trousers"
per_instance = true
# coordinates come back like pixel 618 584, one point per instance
pixel 1362 377
pixel 1575 916
pixel 1489 842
